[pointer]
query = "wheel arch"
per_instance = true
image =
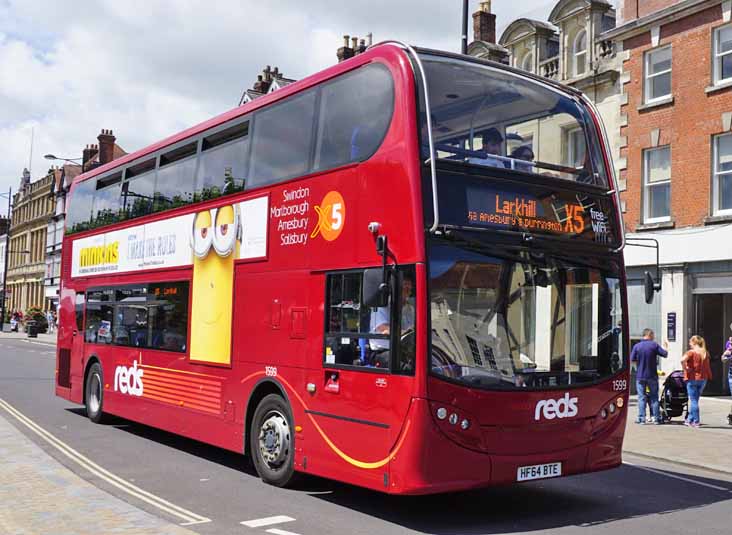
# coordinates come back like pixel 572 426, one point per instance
pixel 89 363
pixel 262 388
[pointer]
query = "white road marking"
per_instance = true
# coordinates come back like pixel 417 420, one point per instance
pixel 268 521
pixel 275 531
pixel 674 476
pixel 188 517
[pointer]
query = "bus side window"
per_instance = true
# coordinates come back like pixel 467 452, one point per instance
pixel 282 139
pixel 79 310
pixel 352 334
pixel 355 113
pixel 357 335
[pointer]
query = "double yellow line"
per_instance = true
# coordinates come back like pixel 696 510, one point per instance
pixel 188 518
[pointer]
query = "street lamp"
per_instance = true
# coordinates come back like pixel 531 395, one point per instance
pixel 9 195
pixel 70 160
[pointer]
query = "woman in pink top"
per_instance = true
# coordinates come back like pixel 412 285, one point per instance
pixel 697 371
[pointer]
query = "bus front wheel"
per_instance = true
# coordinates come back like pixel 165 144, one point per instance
pixel 272 441
pixel 94 395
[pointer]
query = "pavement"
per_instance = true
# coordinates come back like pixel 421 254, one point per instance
pixel 705 447
pixel 44 338
pixel 50 498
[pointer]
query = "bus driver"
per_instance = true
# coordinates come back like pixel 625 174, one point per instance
pixel 380 322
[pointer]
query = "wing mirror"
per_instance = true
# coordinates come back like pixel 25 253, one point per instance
pixel 375 281
pixel 375 288
pixel 650 287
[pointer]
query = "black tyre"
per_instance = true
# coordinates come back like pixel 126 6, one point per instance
pixel 94 394
pixel 272 441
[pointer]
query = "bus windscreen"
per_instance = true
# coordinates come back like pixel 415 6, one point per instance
pixel 529 320
pixel 494 118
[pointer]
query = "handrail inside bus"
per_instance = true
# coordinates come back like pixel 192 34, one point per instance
pixel 433 170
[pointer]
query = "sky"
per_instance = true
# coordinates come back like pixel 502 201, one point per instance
pixel 147 69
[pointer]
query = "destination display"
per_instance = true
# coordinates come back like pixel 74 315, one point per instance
pixel 467 201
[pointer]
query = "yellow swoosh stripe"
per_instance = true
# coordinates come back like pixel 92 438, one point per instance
pixel 350 460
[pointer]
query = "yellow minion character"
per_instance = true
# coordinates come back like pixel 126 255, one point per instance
pixel 213 282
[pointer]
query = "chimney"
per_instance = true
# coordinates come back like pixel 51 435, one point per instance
pixel 106 146
pixel 361 46
pixel 259 85
pixel 345 52
pixel 354 43
pixel 484 24
pixel 86 157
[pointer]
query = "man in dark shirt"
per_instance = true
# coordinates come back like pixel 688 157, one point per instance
pixel 645 353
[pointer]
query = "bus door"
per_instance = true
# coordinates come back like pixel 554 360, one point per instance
pixel 363 382
pixel 70 341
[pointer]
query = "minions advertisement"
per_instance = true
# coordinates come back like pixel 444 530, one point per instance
pixel 211 240
pixel 219 236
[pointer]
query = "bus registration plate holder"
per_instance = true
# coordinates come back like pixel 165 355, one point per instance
pixel 538 471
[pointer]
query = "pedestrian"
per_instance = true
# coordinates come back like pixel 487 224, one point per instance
pixel 49 320
pixel 697 371
pixel 646 353
pixel 727 357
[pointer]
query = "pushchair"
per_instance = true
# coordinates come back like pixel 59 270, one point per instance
pixel 674 399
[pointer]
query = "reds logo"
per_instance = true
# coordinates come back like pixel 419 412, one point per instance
pixel 564 407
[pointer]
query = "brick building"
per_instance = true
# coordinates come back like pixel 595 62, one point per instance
pixel 677 146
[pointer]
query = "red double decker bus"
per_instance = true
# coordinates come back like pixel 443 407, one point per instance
pixel 404 272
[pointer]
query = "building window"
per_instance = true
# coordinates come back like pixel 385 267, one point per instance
pixel 657 185
pixel 574 148
pixel 723 54
pixel 527 63
pixel 658 74
pixel 579 53
pixel 722 186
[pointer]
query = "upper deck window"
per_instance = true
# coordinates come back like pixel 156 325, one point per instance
pixel 490 117
pixel 222 163
pixel 138 189
pixel 283 138
pixel 79 212
pixel 176 178
pixel 355 113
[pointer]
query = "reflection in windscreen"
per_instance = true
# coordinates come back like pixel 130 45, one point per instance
pixel 531 321
pixel 493 118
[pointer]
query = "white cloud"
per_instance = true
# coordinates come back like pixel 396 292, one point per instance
pixel 147 69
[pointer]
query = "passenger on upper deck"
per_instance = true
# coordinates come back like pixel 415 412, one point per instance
pixel 492 144
pixel 523 152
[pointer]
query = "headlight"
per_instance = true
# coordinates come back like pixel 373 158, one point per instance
pixel 442 413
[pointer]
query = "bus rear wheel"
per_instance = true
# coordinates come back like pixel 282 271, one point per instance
pixel 94 395
pixel 272 441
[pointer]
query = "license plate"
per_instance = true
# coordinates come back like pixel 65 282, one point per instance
pixel 538 471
